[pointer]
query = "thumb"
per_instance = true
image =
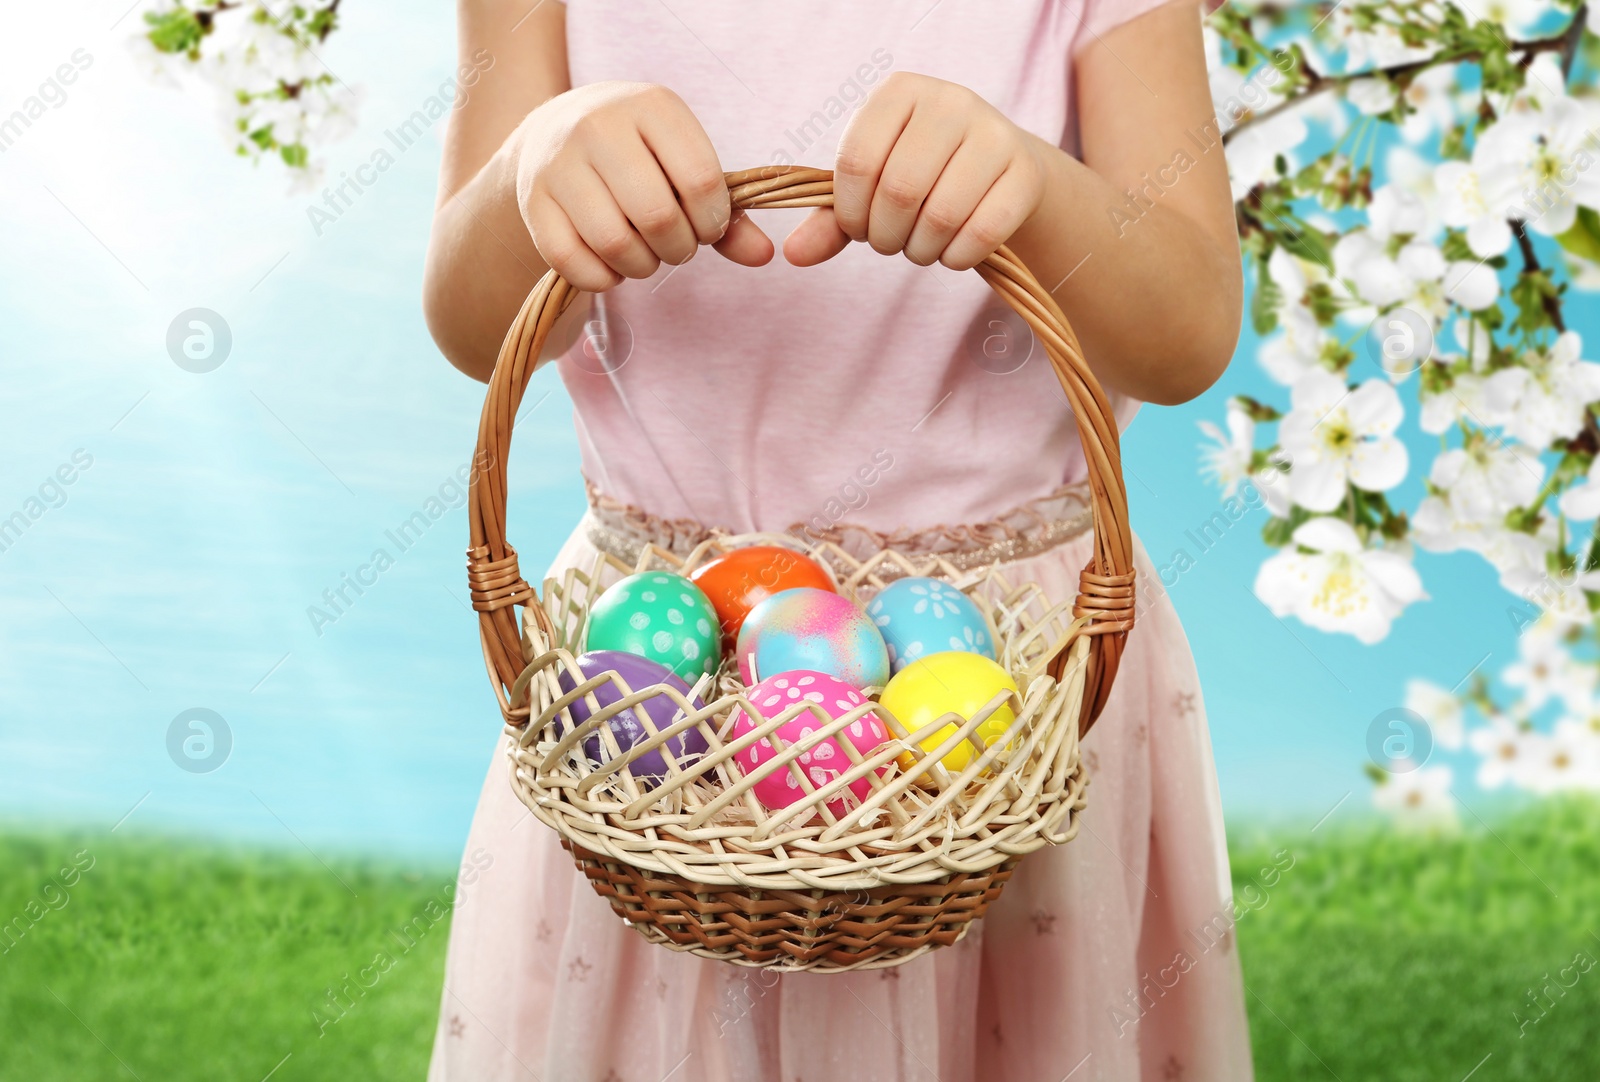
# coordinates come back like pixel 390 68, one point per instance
pixel 816 239
pixel 744 242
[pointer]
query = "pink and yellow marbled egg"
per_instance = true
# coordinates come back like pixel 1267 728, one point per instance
pixel 816 630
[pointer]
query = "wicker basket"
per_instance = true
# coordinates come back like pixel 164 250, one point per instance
pixel 695 863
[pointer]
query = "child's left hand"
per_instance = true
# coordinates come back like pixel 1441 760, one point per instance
pixel 928 168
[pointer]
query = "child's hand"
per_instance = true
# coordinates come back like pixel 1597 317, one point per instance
pixel 616 178
pixel 928 168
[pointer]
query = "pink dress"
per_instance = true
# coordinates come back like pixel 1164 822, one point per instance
pixel 868 393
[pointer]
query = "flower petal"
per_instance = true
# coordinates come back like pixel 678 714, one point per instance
pixel 1378 465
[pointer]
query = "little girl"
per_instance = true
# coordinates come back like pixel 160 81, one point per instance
pixel 746 393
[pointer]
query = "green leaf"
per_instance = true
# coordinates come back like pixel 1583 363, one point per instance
pixel 1583 239
pixel 1265 300
pixel 1307 243
pixel 176 31
pixel 1528 293
pixel 1278 532
pixel 295 155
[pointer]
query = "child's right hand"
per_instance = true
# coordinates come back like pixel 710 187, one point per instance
pixel 614 179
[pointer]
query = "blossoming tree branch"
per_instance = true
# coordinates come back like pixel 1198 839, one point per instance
pixel 1442 270
pixel 276 96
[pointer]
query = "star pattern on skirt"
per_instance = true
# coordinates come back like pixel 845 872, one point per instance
pixel 892 973
pixel 1090 759
pixel 612 1076
pixel 1043 922
pixel 1183 703
pixel 542 932
pixel 578 969
pixel 1173 1070
pixel 661 988
pixel 458 1028
pixel 1141 733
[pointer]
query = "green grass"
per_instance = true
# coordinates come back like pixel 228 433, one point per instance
pixel 1379 956
pixel 184 962
pixel 1373 956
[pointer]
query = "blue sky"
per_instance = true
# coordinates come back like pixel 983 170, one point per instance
pixel 219 506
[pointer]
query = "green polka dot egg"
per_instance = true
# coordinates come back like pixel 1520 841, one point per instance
pixel 661 616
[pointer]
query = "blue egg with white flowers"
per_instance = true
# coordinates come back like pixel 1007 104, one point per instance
pixel 920 616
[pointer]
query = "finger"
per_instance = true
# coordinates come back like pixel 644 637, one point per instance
pixel 563 249
pixel 919 156
pixel 745 243
pixel 604 228
pixel 816 239
pixel 971 172
pixel 863 149
pixel 999 214
pixel 636 182
pixel 690 163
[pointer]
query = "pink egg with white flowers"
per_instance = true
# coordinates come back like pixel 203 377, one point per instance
pixel 823 760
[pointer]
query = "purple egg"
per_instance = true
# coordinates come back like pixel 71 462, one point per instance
pixel 629 729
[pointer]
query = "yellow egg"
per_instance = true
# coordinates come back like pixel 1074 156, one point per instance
pixel 949 683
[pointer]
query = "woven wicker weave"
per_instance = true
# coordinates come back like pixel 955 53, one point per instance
pixel 696 863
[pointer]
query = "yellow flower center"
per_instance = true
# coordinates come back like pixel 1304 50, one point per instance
pixel 1340 593
pixel 1338 436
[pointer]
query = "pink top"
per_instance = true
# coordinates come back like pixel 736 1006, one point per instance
pixel 866 389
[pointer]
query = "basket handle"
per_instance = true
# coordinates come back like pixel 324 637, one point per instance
pixel 1105 586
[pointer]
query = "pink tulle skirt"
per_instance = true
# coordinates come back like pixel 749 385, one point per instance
pixel 1111 957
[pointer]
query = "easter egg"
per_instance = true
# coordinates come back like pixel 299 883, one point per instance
pixel 953 682
pixel 816 630
pixel 660 616
pixel 738 581
pixel 920 616
pixel 627 726
pixel 824 760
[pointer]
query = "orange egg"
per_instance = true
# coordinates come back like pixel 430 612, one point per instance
pixel 738 581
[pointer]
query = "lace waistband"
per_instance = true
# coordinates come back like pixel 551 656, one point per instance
pixel 1026 530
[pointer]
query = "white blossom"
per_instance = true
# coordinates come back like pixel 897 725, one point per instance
pixel 1546 397
pixel 1418 799
pixel 1536 166
pixel 1338 585
pixel 1546 670
pixel 1371 95
pixel 1336 437
pixel 1503 746
pixel 1441 709
pixel 1564 760
pixel 1518 17
pixel 1430 97
pixel 1301 346
pixel 1227 461
pixel 1462 400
